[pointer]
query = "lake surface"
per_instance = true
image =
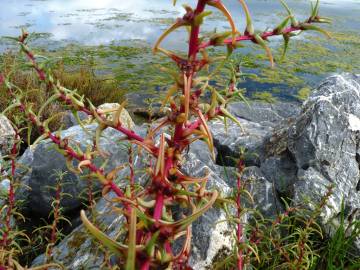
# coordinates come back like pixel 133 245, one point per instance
pixel 95 22
pixel 103 22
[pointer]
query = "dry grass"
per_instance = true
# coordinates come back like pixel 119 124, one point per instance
pixel 83 78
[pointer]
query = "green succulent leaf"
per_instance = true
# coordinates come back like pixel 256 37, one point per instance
pixel 131 254
pixel 112 245
pixel 183 223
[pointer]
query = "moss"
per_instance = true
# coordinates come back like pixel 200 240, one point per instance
pixel 78 238
pixel 265 96
pixel 303 93
pixel 220 256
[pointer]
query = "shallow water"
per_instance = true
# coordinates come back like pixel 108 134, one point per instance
pixel 94 22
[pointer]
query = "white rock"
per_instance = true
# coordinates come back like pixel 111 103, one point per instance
pixel 110 110
pixel 354 122
pixel 7 135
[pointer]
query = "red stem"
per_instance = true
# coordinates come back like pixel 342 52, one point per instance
pixel 55 222
pixel 11 196
pixel 158 206
pixel 239 232
pixel 146 265
pixel 195 29
pixel 264 36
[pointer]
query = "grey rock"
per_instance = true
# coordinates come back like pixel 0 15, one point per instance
pixel 264 195
pixel 265 198
pixel 303 156
pixel 77 250
pixel 258 122
pixel 209 237
pixel 282 172
pixel 4 190
pixel 299 154
pixel 266 114
pixel 229 142
pixel 325 139
pixel 324 142
pixel 69 120
pixel 144 105
pixel 4 193
pixel 4 187
pixel 44 161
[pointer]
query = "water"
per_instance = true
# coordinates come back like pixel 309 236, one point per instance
pixel 94 22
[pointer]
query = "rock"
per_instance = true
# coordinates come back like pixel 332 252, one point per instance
pixel 299 153
pixel 319 148
pixel 4 191
pixel 45 160
pixel 301 156
pixel 144 105
pixel 282 172
pixel 264 195
pixel 7 135
pixel 229 142
pixel 78 250
pixel 154 113
pixel 69 119
pixel 125 118
pixel 265 114
pixel 4 187
pixel 210 238
pixel 325 143
pixel 258 122
pixel 4 195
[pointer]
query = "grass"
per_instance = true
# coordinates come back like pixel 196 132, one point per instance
pixel 83 78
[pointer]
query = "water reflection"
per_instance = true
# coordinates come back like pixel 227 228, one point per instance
pixel 94 22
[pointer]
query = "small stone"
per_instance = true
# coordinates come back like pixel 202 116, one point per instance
pixel 4 187
pixel 7 136
pixel 125 118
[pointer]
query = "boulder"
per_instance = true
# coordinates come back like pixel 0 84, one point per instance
pixel 264 195
pixel 43 162
pixel 78 250
pixel 265 114
pixel 281 171
pixel 211 239
pixel 4 187
pixel 4 195
pixel 258 121
pixel 144 106
pixel 325 144
pixel 320 148
pixel 4 191
pixel 302 151
pixel 69 119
